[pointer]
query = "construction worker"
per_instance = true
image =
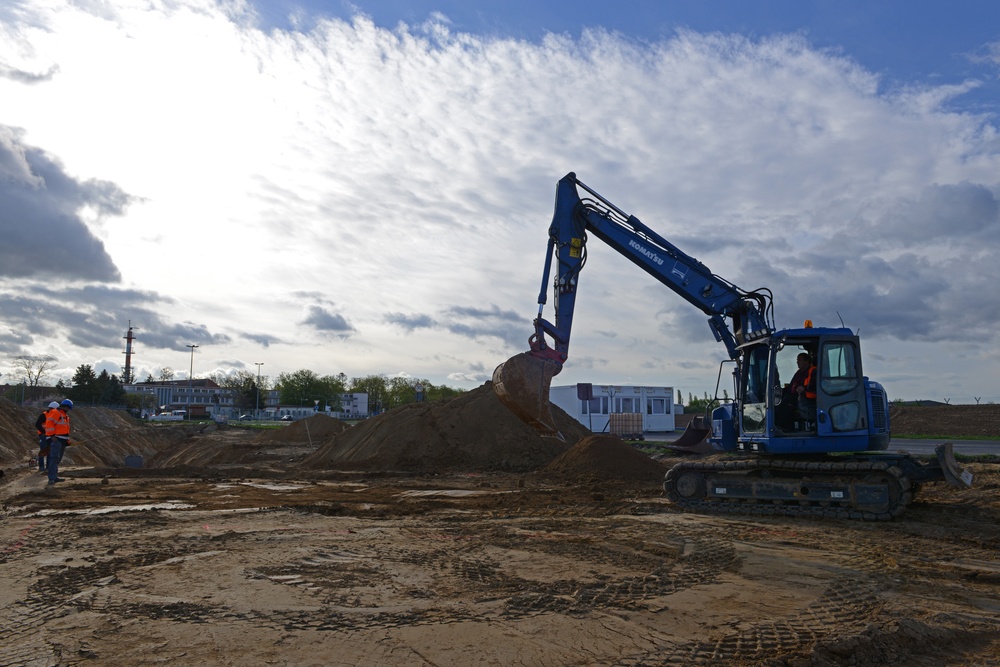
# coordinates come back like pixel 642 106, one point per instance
pixel 43 440
pixel 57 430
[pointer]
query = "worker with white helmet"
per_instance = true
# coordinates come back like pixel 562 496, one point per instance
pixel 43 439
pixel 57 430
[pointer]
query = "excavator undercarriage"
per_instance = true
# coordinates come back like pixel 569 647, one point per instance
pixel 870 487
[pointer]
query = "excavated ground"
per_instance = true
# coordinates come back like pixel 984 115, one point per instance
pixel 447 534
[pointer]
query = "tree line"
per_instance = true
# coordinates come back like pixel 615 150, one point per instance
pixel 302 387
pixel 305 387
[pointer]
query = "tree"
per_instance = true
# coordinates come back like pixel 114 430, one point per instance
pixel 376 386
pixel 243 384
pixel 390 392
pixel 109 389
pixel 84 385
pixel 166 374
pixel 697 405
pixel 32 370
pixel 305 387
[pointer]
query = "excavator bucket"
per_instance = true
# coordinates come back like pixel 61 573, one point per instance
pixel 692 437
pixel 522 384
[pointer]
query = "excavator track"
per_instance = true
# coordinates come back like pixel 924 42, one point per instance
pixel 860 489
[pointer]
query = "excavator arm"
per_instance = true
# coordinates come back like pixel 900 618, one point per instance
pixel 735 315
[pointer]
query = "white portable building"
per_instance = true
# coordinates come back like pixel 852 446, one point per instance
pixel 655 404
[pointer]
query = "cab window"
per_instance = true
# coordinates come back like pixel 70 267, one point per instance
pixel 838 368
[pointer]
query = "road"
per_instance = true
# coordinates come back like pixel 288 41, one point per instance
pixel 926 447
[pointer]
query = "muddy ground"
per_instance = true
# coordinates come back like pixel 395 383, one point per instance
pixel 327 545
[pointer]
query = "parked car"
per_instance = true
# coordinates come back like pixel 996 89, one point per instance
pixel 288 418
pixel 245 418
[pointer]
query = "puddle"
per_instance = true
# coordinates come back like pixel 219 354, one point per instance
pixel 274 487
pixel 168 505
pixel 448 493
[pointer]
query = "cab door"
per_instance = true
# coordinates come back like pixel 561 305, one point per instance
pixel 840 391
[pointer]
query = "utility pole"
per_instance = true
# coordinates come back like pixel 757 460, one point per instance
pixel 127 370
pixel 257 404
pixel 190 385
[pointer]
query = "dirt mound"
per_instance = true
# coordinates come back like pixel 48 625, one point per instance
pixel 472 431
pixel 17 432
pixel 946 420
pixel 104 437
pixel 317 428
pixel 603 456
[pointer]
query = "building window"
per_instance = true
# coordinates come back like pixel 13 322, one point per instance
pixel 627 404
pixel 657 406
pixel 595 406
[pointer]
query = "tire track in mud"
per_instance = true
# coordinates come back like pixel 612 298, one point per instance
pixel 642 575
pixel 846 607
pixel 61 590
pixel 402 573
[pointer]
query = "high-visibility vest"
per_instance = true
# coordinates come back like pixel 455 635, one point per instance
pixel 56 423
pixel 809 393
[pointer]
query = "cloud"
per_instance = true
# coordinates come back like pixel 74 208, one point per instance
pixel 410 322
pixel 476 323
pixel 325 321
pixel 392 186
pixel 39 216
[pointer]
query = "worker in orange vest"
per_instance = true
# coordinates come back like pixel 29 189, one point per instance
pixel 803 387
pixel 57 430
pixel 43 439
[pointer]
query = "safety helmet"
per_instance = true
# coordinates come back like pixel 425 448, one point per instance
pixel 66 403
pixel 53 404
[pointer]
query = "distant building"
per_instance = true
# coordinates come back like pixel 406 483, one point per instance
pixel 198 398
pixel 655 404
pixel 353 405
pixel 205 399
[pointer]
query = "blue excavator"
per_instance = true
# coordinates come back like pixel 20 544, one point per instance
pixel 808 444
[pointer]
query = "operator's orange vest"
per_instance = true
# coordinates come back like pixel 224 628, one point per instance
pixel 809 376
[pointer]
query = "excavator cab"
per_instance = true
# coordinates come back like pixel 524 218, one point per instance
pixel 840 411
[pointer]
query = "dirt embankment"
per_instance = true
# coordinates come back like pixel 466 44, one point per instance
pixel 953 421
pixel 102 437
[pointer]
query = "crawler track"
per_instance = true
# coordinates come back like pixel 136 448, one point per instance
pixel 868 490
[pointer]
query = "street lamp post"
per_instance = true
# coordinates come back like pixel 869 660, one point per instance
pixel 257 404
pixel 190 384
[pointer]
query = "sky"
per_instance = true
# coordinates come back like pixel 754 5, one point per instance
pixel 365 188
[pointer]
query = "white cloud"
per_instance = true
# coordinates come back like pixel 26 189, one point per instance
pixel 393 187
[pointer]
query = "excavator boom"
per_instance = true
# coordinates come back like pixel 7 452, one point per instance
pixel 523 382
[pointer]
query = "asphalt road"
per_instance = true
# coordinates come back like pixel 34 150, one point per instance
pixel 926 447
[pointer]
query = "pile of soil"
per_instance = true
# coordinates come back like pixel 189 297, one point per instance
pixel 17 432
pixel 946 420
pixel 317 428
pixel 472 431
pixel 605 457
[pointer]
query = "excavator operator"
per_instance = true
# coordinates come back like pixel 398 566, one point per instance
pixel 802 390
pixel 799 396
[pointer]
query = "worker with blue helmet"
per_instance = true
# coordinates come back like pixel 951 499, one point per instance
pixel 57 429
